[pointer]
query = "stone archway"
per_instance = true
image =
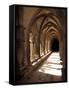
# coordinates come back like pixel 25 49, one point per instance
pixel 42 26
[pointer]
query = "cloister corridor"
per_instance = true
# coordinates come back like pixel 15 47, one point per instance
pixel 40 45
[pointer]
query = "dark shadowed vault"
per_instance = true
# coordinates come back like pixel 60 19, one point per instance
pixel 55 45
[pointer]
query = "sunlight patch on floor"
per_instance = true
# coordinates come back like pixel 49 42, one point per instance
pixel 52 65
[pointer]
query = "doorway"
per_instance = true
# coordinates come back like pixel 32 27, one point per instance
pixel 55 45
